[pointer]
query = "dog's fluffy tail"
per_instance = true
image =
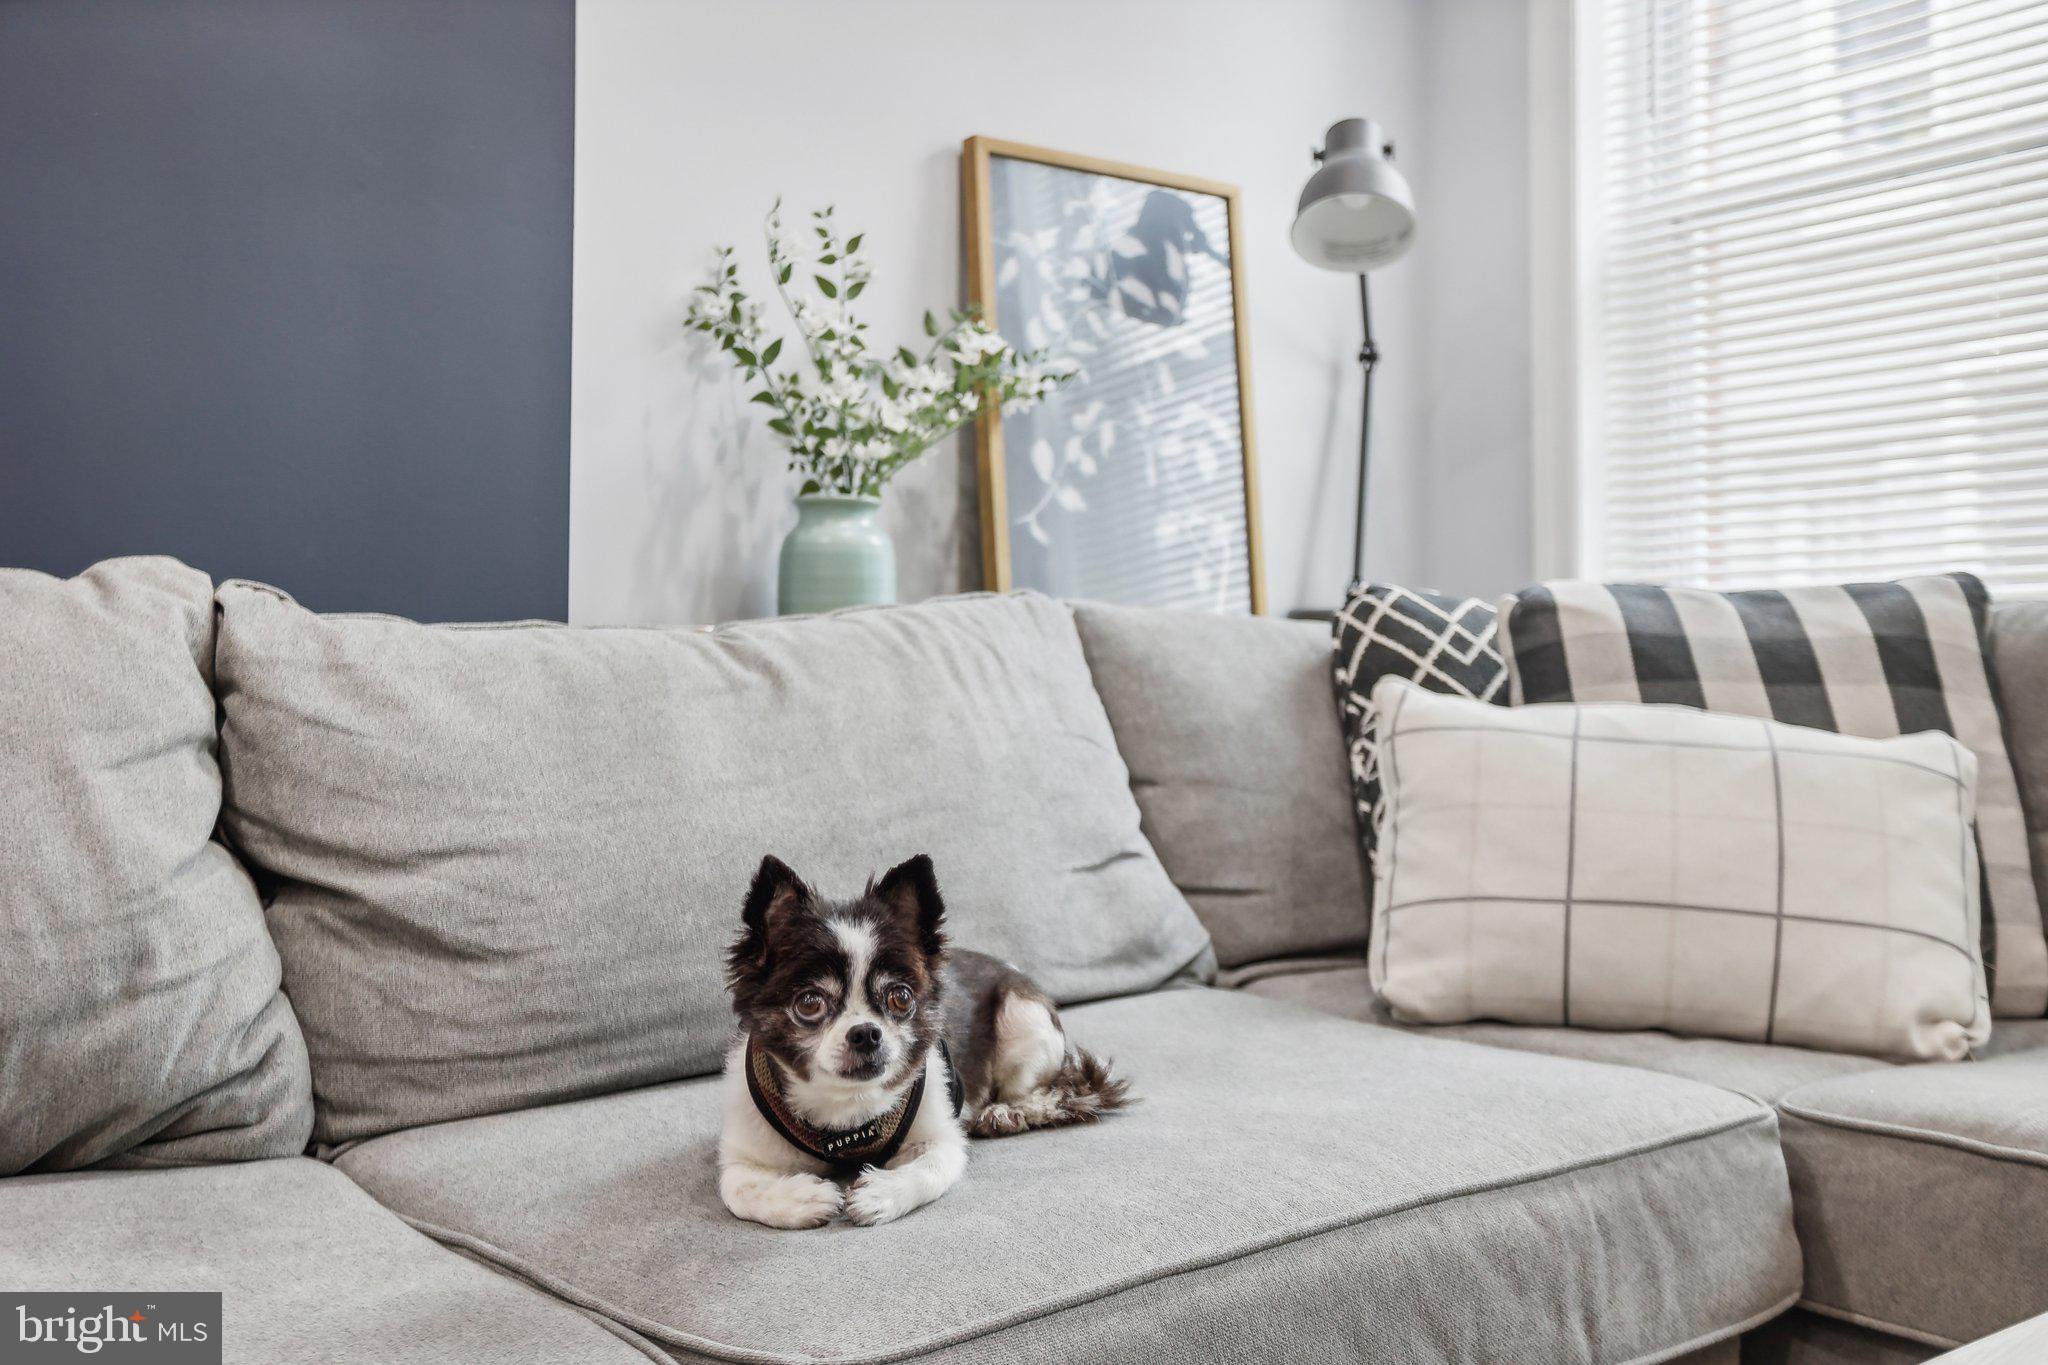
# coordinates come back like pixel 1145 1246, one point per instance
pixel 1081 1091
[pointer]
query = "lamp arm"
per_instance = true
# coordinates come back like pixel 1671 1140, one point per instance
pixel 1368 360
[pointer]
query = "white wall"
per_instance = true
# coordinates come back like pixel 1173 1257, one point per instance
pixel 1473 258
pixel 692 117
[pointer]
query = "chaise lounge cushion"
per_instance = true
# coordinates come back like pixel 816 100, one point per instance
pixel 140 1019
pixel 308 1267
pixel 1763 1071
pixel 511 858
pixel 1377 1197
pixel 1922 1192
pixel 1237 761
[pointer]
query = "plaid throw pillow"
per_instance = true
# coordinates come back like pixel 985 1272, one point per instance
pixel 1630 867
pixel 1445 644
pixel 1868 659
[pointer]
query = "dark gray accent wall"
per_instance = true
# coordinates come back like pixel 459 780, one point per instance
pixel 285 292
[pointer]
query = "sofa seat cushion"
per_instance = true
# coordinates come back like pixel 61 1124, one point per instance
pixel 1290 1187
pixel 1762 1070
pixel 1922 1192
pixel 308 1267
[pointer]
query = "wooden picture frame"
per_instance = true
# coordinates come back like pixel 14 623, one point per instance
pixel 979 221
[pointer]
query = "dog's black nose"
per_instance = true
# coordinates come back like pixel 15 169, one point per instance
pixel 864 1037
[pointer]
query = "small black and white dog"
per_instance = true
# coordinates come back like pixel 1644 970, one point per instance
pixel 867 1048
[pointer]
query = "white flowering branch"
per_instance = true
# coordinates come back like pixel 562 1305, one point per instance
pixel 852 421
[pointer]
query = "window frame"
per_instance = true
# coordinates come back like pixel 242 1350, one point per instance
pixel 1565 130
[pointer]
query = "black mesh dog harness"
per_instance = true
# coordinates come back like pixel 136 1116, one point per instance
pixel 871 1144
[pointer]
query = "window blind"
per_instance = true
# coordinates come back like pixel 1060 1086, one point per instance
pixel 1821 278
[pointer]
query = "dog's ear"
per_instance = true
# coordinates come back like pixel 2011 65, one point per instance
pixel 776 894
pixel 911 892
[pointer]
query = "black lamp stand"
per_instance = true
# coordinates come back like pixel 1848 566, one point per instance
pixel 1368 360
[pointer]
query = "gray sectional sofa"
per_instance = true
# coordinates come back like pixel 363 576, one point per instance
pixel 392 951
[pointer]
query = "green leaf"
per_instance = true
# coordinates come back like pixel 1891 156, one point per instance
pixel 826 287
pixel 931 324
pixel 774 350
pixel 853 291
pixel 827 259
pixel 745 356
pixel 810 486
pixel 853 242
pixel 781 424
pixel 783 277
pixel 763 397
pixel 907 356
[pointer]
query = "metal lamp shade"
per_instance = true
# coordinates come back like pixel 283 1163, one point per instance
pixel 1356 213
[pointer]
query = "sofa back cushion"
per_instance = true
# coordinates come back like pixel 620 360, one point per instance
pixel 140 1020
pixel 1237 761
pixel 2019 667
pixel 511 858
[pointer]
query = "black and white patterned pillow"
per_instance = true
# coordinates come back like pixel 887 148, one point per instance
pixel 1445 644
pixel 1869 659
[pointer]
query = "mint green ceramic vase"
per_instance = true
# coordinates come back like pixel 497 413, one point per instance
pixel 837 556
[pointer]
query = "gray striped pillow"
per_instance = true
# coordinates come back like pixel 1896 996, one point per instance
pixel 1869 659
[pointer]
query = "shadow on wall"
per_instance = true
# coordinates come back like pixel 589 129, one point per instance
pixel 1336 480
pixel 719 490
pixel 721 495
pixel 719 505
pixel 722 499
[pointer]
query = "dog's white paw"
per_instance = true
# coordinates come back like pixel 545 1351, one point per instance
pixel 797 1201
pixel 880 1196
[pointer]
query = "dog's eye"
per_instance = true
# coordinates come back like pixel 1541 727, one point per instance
pixel 810 1007
pixel 899 999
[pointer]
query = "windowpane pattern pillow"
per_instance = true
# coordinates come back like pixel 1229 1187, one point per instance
pixel 1445 644
pixel 1629 867
pixel 1868 659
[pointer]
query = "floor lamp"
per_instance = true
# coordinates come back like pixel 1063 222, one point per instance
pixel 1356 215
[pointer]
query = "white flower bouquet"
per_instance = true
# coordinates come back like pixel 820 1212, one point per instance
pixel 852 420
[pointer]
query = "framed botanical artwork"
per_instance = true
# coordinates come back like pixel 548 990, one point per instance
pixel 1136 482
